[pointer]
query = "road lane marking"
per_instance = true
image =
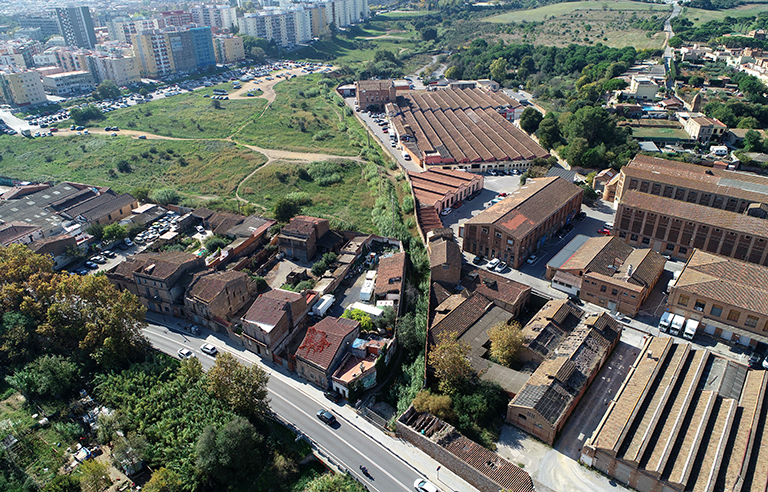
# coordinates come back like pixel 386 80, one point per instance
pixel 272 393
pixel 350 445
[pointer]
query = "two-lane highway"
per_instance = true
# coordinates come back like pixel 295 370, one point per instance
pixel 346 444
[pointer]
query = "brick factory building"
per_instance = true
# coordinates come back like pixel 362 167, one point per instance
pixel 461 128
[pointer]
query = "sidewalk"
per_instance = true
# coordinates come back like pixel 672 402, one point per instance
pixel 412 456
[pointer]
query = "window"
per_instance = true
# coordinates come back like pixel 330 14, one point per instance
pixel 602 288
pixel 633 237
pixel 751 322
pixel 699 306
pixel 498 235
pixel 683 250
pixel 622 234
pixel 614 292
pixel 683 300
pixel 733 315
pixel 670 247
pixel 716 310
pixel 484 230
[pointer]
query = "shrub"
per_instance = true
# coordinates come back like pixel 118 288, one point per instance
pixel 322 135
pixel 164 196
pixel 216 242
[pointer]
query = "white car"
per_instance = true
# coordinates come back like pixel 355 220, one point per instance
pixel 532 259
pixel 422 485
pixel 500 267
pixel 185 353
pixel 446 211
pixel 200 229
pixel 209 349
pixel 492 264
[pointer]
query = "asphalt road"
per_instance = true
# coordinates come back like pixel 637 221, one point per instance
pixel 346 444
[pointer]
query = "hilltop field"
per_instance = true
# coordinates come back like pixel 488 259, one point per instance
pixel 614 23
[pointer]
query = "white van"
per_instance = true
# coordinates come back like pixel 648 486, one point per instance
pixel 690 329
pixel 666 320
pixel 677 325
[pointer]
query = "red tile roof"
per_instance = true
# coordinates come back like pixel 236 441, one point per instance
pixel 302 225
pixel 462 125
pixel 528 207
pixel 323 340
pixel 730 281
pixel 389 277
pixel 713 217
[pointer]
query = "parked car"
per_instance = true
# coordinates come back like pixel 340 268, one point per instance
pixel 91 265
pixel 209 349
pixel 456 205
pixel 492 264
pixel 446 211
pixel 185 353
pixel 755 361
pixel 576 300
pixel 581 216
pixel 128 242
pixel 109 254
pixel 605 231
pixel 99 259
pixel 333 396
pixel 200 229
pixel 421 485
pixel 478 260
pixel 532 259
pixel 142 137
pixel 326 416
pixel 500 267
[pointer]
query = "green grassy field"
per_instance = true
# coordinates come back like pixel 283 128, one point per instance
pixel 302 119
pixel 188 115
pixel 645 132
pixel 349 201
pixel 194 167
pixel 610 23
pixel 560 9
pixel 701 16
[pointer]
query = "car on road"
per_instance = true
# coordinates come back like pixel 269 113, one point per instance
pixel 532 259
pixel 326 416
pixel 605 231
pixel 185 353
pixel 421 485
pixel 478 260
pixel 109 254
pixel 609 225
pixel 500 267
pixel 142 137
pixel 99 259
pixel 209 349
pixel 581 216
pixel 755 361
pixel 446 211
pixel 91 265
pixel 80 128
pixel 333 396
pixel 457 205
pixel 576 300
pixel 492 264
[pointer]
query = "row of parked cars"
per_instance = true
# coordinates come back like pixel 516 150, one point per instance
pixel 166 223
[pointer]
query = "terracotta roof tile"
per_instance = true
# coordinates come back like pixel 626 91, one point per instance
pixel 461 318
pixel 494 286
pixel 528 207
pixel 323 340
pixel 724 279
pixel 698 213
pixel 389 276
pixel 208 285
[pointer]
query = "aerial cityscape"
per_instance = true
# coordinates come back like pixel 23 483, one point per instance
pixel 356 245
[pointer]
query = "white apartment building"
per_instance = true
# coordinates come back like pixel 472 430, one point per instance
pixel 23 88
pixel 61 84
pixel 46 59
pixel 269 24
pixel 122 29
pixel 122 71
pixel 219 16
